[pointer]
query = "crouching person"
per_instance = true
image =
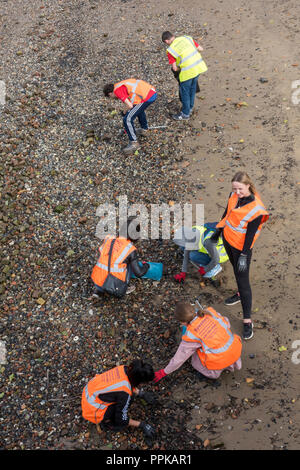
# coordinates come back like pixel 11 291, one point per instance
pixel 208 339
pixel 117 262
pixel 107 397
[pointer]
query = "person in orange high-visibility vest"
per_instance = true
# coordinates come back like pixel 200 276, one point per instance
pixel 240 226
pixel 117 261
pixel 208 340
pixel 137 95
pixel 106 398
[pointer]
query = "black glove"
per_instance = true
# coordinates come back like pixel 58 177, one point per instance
pixel 242 263
pixel 215 237
pixel 149 397
pixel 147 429
pixel 176 74
pixel 146 265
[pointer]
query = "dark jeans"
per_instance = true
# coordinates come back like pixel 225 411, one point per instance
pixel 138 111
pixel 187 92
pixel 242 278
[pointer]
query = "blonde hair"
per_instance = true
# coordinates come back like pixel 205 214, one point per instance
pixel 242 177
pixel 185 312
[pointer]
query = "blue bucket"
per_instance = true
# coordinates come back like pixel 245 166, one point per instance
pixel 154 272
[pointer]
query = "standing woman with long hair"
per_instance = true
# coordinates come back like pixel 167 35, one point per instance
pixel 241 225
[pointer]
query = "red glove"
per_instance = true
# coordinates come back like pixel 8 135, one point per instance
pixel 160 374
pixel 180 277
pixel 201 271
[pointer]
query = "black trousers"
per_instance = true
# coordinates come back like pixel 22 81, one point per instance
pixel 242 278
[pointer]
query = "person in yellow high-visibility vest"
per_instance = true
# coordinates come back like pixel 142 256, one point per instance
pixel 184 56
pixel 198 248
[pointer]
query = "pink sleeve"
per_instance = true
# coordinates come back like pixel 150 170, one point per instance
pixel 184 351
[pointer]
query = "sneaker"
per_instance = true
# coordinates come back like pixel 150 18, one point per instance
pixel 234 299
pixel 213 272
pixel 142 132
pixel 180 117
pixel 248 330
pixel 131 147
pixel 130 289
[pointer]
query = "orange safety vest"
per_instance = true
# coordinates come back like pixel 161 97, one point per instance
pixel 121 249
pixel 218 346
pixel 114 380
pixel 137 89
pixel 236 220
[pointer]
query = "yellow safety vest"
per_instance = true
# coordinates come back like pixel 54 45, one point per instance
pixel 204 235
pixel 188 58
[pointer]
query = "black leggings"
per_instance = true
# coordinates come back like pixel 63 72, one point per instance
pixel 242 278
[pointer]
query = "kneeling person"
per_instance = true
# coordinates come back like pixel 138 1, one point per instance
pixel 117 261
pixel 201 250
pixel 107 397
pixel 208 339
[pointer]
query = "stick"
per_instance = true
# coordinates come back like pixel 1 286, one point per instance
pixel 197 302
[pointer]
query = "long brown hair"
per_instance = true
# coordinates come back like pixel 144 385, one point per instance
pixel 185 312
pixel 242 177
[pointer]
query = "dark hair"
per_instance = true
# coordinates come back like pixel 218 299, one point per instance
pixel 139 372
pixel 108 88
pixel 166 35
pixel 127 229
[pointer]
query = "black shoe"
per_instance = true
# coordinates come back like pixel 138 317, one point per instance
pixel 96 294
pixel 234 299
pixel 248 331
pixel 200 376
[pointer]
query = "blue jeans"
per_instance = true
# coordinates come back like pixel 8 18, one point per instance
pixel 187 91
pixel 138 111
pixel 201 259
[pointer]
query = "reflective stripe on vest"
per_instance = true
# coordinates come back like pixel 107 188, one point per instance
pixel 205 234
pixel 91 399
pixel 115 268
pixel 206 349
pixel 241 216
pixel 189 56
pixel 133 88
pixel 138 90
pixel 186 71
pixel 93 407
pixel 218 347
pixel 250 214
